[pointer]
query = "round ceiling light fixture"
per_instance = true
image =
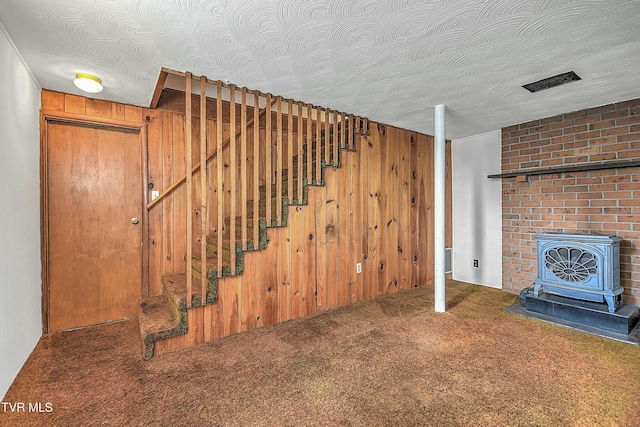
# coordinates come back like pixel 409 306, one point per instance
pixel 88 83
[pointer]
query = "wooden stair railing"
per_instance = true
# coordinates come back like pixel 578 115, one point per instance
pixel 170 189
pixel 220 253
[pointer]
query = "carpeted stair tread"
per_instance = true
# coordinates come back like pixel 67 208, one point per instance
pixel 212 251
pixel 175 286
pixel 274 192
pixel 155 314
pixel 212 261
pixel 211 265
pixel 157 319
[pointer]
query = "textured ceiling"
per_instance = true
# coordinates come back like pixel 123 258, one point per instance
pixel 391 61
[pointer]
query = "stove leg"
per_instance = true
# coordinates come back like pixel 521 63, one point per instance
pixel 536 290
pixel 611 302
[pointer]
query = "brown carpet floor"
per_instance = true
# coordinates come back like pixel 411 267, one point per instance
pixel 387 362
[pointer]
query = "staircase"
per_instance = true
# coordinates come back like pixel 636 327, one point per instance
pixel 166 315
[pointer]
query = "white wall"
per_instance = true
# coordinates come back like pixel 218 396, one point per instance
pixel 477 209
pixel 20 280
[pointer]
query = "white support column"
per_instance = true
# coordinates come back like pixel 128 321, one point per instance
pixel 439 181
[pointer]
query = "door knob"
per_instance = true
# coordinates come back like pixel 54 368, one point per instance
pixel 134 220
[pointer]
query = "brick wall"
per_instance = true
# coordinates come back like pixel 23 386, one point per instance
pixel 603 201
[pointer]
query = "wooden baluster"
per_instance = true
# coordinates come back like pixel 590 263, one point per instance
pixel 267 160
pixel 243 171
pixel 233 165
pixel 327 151
pixel 352 143
pixel 204 172
pixel 334 137
pixel 256 169
pixel 318 145
pixel 300 153
pixel 290 151
pixel 343 142
pixel 189 193
pixel 219 166
pixel 279 162
pixel 309 150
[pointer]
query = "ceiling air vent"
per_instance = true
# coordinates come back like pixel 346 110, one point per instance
pixel 550 82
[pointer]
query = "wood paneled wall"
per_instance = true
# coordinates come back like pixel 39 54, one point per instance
pixel 91 108
pixel 376 209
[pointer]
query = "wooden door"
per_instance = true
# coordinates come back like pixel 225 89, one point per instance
pixel 94 189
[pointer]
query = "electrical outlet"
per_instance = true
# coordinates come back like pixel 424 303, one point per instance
pixel 475 262
pixel 154 194
pixel 358 268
